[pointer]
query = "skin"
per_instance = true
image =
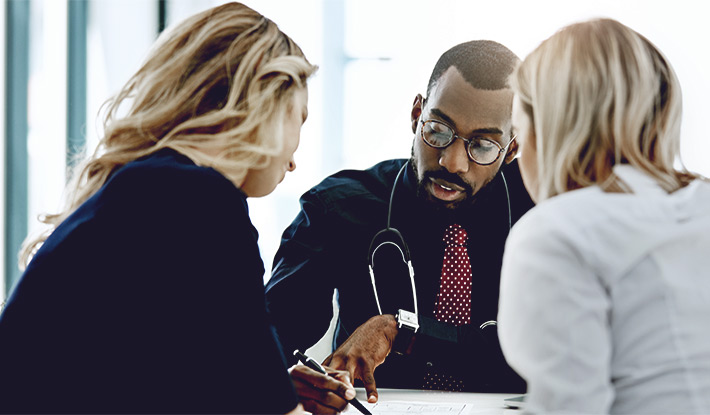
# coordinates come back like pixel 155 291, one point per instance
pixel 320 394
pixel 449 179
pixel 261 182
pixel 317 393
pixel 528 150
pixel 364 350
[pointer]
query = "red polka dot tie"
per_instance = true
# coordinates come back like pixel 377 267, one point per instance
pixel 453 302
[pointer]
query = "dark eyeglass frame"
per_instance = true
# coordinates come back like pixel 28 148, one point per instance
pixel 468 141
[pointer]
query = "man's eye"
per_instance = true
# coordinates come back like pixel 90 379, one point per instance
pixel 443 136
pixel 437 135
pixel 483 145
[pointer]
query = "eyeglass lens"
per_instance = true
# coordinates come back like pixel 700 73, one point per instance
pixel 480 149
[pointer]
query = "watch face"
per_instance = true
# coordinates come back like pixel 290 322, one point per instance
pixel 407 317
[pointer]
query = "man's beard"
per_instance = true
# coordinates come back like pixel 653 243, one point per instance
pixel 471 196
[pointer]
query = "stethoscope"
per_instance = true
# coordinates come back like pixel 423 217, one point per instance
pixel 393 237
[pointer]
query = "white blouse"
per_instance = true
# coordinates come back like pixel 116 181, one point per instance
pixel 605 300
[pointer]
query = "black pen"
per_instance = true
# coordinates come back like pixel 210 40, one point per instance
pixel 308 361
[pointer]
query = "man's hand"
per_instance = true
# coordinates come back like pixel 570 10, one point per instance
pixel 364 350
pixel 319 393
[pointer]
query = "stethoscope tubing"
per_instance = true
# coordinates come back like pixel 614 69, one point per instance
pixel 404 249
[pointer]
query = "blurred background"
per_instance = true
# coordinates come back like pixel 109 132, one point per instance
pixel 62 59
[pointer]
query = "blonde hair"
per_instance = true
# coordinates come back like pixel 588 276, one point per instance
pixel 599 94
pixel 215 88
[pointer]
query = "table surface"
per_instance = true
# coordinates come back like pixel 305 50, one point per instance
pixel 480 403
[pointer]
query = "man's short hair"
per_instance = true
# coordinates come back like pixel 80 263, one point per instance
pixel 484 64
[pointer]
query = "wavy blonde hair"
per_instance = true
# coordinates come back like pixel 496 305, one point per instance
pixel 600 94
pixel 215 88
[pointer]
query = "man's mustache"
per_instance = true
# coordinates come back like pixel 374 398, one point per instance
pixel 449 177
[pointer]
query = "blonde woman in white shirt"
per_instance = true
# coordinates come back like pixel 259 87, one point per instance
pixel 605 292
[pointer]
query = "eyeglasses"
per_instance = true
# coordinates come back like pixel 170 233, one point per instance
pixel 481 150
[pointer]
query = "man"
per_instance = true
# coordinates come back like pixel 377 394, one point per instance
pixel 453 206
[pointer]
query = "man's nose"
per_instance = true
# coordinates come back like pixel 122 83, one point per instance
pixel 454 158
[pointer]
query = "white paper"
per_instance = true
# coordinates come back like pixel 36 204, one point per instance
pixel 420 408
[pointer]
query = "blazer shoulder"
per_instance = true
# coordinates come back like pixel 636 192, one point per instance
pixel 169 175
pixel 374 183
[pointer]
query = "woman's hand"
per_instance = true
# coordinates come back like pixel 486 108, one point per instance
pixel 322 394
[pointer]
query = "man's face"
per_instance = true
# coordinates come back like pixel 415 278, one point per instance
pixel 447 176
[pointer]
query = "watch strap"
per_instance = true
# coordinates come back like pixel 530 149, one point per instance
pixel 408 325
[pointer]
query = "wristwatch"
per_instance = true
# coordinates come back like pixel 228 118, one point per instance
pixel 408 324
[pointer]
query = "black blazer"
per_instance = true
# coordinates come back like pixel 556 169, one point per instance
pixel 149 298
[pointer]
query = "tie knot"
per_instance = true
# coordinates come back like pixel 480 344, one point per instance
pixel 455 235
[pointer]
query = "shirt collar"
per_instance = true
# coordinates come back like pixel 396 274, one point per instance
pixel 637 180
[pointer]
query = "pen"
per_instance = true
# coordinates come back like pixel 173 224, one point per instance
pixel 308 361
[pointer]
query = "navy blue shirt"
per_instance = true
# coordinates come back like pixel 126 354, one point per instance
pixel 326 248
pixel 148 298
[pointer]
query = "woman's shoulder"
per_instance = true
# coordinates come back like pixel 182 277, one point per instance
pixel 570 210
pixel 166 166
pixel 171 177
pixel 577 222
pixel 610 231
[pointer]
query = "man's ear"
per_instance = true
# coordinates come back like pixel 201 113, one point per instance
pixel 416 111
pixel 512 151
